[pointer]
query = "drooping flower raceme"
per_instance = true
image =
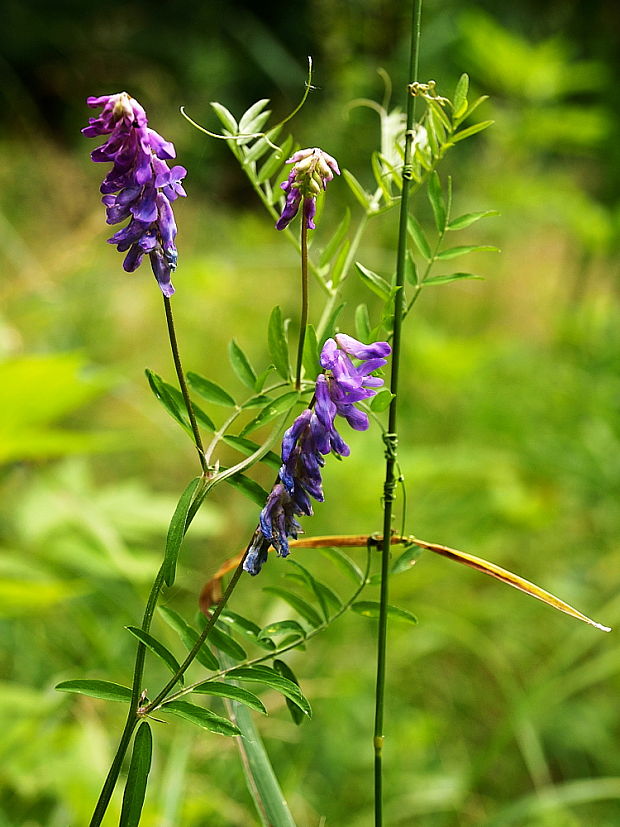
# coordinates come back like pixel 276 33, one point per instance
pixel 312 171
pixel 140 186
pixel 312 436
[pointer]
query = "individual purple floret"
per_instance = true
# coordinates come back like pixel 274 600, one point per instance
pixel 313 169
pixel 312 436
pixel 140 186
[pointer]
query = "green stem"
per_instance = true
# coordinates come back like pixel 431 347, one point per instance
pixel 132 716
pixel 183 384
pixel 391 438
pixel 304 302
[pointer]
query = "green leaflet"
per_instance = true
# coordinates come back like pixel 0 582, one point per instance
pixel 228 690
pixel 370 608
pixel 210 391
pixel 278 343
pixel 271 678
pixel 201 717
pixel 176 532
pixel 157 648
pixel 135 786
pixel 106 690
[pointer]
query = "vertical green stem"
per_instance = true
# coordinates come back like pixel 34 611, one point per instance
pixel 183 384
pixel 391 437
pixel 304 301
pixel 132 716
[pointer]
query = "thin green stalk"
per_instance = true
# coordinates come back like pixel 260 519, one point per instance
pixel 391 437
pixel 132 716
pixel 183 384
pixel 304 302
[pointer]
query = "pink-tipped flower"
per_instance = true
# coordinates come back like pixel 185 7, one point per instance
pixel 312 171
pixel 140 186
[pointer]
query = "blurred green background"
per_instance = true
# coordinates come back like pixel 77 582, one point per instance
pixel 499 712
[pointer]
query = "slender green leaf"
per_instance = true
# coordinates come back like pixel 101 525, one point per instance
pixel 453 252
pixel 139 768
pixel 176 532
pixel 278 344
pixel 269 677
pixel 447 279
pixel 246 627
pixel 247 447
pixel 459 104
pixel 157 648
pixel 417 234
pixel 469 218
pixel 285 670
pixel 250 116
pixel 227 690
pixel 337 271
pixel 382 179
pixel 471 108
pixel 357 189
pixel 257 401
pixel 437 201
pixel 241 364
pixel 373 281
pixel 260 777
pixel 275 408
pixel 312 583
pixel 210 390
pixel 311 363
pixel 262 145
pixel 262 377
pixel 106 690
pixel 252 490
pixel 275 162
pixel 345 564
pixel 223 641
pixel 159 388
pixel 201 717
pixel 411 271
pixel 370 608
pixel 297 603
pixel 226 117
pixel 284 627
pixel 381 401
pixel 336 240
pixel 189 637
pixel 362 323
pixel 470 130
pixel 330 325
pixel 406 561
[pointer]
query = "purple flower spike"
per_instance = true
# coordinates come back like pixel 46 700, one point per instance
pixel 313 169
pixel 140 186
pixel 312 436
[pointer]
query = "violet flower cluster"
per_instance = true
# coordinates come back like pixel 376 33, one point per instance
pixel 140 185
pixel 312 436
pixel 313 169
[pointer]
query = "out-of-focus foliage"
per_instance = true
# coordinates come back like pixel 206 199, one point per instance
pixel 499 712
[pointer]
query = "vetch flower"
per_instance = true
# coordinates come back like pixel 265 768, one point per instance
pixel 312 436
pixel 140 186
pixel 313 169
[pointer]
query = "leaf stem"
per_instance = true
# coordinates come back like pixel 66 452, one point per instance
pixel 174 346
pixel 304 301
pixel 391 437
